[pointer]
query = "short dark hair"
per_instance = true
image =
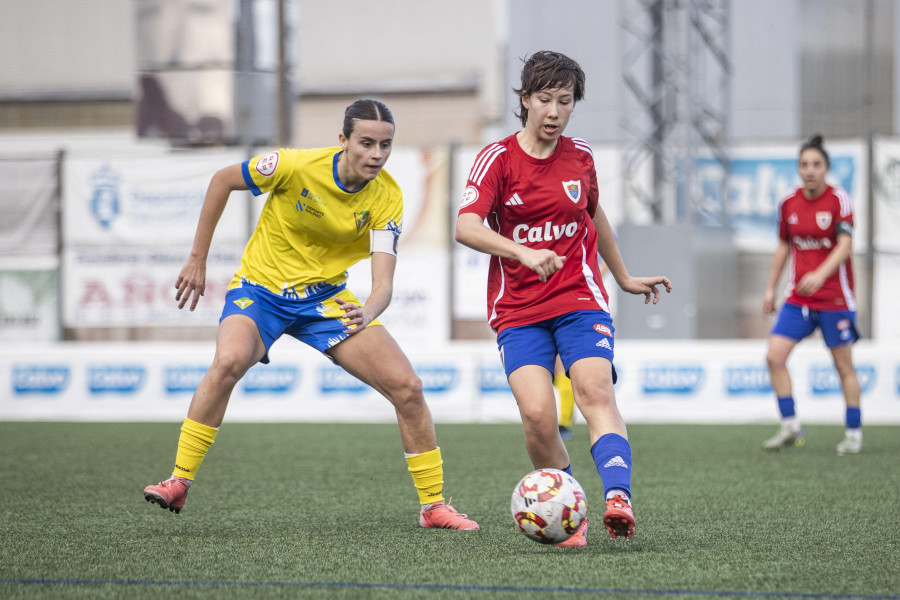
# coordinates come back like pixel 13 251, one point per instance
pixel 366 109
pixel 815 143
pixel 546 70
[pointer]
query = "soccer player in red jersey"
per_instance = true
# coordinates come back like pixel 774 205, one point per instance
pixel 537 192
pixel 815 228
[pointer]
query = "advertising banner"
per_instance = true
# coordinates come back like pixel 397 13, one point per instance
pixel 134 286
pixel 29 303
pixel 154 200
pixel 762 175
pixel 659 382
pixel 29 205
pixel 887 196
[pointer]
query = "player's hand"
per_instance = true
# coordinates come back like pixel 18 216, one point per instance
pixel 769 302
pixel 810 283
pixel 647 287
pixel 543 262
pixel 191 283
pixel 355 317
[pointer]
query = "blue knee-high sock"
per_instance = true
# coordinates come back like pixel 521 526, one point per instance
pixel 569 470
pixel 612 455
pixel 854 418
pixel 786 406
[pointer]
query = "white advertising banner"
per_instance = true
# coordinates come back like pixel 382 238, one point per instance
pixel 154 200
pixel 134 286
pixel 659 382
pixel 887 196
pixel 419 305
pixel 761 176
pixel 29 302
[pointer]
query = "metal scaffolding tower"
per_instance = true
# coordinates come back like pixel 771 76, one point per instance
pixel 677 73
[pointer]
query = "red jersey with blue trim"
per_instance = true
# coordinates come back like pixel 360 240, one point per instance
pixel 544 203
pixel 810 228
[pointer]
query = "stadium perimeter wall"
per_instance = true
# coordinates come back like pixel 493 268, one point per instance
pixel 659 382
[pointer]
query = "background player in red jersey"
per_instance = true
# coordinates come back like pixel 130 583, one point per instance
pixel 815 230
pixel 537 191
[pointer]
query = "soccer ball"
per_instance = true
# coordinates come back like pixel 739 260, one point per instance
pixel 548 506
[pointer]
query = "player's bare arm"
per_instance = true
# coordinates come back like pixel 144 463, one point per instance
pixel 191 282
pixel 356 318
pixel 779 259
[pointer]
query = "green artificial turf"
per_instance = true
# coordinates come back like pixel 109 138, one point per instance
pixel 329 511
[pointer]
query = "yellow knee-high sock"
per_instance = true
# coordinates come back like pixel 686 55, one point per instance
pixel 194 441
pixel 566 399
pixel 427 474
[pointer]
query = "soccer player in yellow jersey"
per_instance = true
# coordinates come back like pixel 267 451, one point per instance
pixel 328 208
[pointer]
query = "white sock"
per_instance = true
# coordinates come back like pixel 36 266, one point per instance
pixel 791 424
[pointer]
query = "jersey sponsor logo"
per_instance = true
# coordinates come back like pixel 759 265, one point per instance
pixel 665 379
pixel 120 379
pixel 243 302
pixel 600 327
pixel 823 219
pixel 573 189
pixel 40 379
pixel 362 219
pixel 793 219
pixel 470 195
pixel 267 164
pixel 514 201
pixel 308 208
pixel 543 233
pixel 810 243
pixel 105 197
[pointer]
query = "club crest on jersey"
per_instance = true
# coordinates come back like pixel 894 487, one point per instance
pixel 823 219
pixel 267 163
pixel 362 219
pixel 573 189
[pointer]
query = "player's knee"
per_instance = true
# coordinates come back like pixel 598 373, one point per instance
pixel 539 419
pixel 407 391
pixel 776 360
pixel 228 367
pixel 596 400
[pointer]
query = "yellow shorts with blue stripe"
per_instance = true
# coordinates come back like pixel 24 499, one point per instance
pixel 314 320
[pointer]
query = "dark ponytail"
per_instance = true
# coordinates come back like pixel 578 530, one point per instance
pixel 815 143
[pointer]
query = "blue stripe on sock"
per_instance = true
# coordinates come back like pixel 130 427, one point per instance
pixel 786 406
pixel 612 455
pixel 854 418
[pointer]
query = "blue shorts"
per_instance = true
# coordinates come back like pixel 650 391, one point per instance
pixel 796 322
pixel 314 320
pixel 575 335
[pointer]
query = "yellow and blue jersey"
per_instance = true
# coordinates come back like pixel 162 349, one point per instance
pixel 312 229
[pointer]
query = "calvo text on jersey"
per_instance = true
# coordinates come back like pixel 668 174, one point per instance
pixel 543 233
